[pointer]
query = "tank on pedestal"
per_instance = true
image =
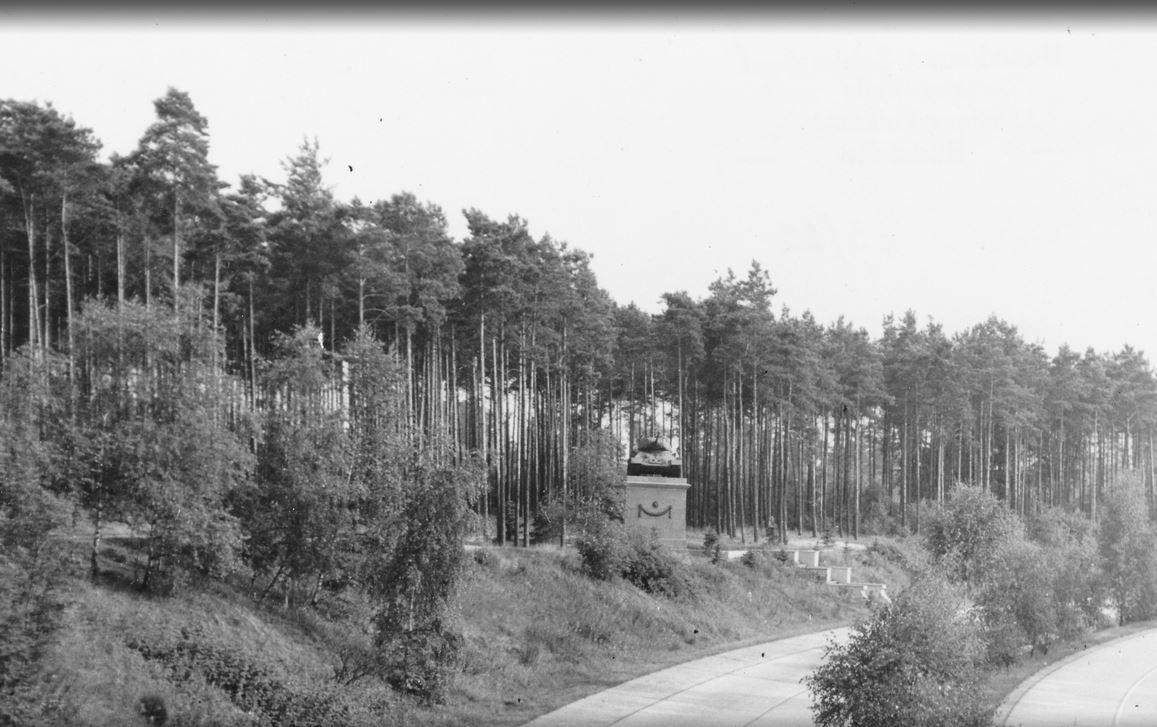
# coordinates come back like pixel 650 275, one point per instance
pixel 656 492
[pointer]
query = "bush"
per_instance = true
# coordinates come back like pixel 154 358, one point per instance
pixel 414 586
pixel 250 685
pixel 611 551
pixel 1068 543
pixel 602 551
pixel 913 662
pixel 30 608
pixel 971 526
pixel 32 566
pixel 1128 549
pixel 876 517
pixel 648 566
pixel 711 545
pixel 548 519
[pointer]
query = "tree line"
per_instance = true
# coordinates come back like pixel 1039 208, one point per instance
pixel 507 352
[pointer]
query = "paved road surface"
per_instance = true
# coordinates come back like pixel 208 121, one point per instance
pixel 757 685
pixel 1113 684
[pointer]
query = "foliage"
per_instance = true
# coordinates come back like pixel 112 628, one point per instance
pixel 611 551
pixel 595 493
pixel 150 445
pixel 602 550
pixel 31 603
pixel 712 546
pixel 914 661
pixel 296 510
pixel 1069 553
pixel 1128 548
pixel 32 567
pixel 253 687
pixel 649 566
pixel 1028 590
pixel 597 481
pixel 414 586
pixel 968 531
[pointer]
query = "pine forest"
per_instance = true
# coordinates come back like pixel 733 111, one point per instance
pixel 144 294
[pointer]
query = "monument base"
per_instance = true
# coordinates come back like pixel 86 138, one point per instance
pixel 656 503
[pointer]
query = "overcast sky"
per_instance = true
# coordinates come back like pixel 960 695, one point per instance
pixel 960 169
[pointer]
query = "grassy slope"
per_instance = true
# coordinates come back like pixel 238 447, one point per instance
pixel 538 634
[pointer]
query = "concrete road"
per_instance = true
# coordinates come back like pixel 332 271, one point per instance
pixel 1114 683
pixel 756 685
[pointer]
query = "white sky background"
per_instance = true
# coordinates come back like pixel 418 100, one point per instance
pixel 958 170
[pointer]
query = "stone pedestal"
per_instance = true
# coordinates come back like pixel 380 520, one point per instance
pixel 660 504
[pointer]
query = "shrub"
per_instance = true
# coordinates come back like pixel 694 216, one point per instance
pixel 250 685
pixel 415 584
pixel 913 662
pixel 876 518
pixel 32 565
pixel 611 551
pixel 1068 543
pixel 601 549
pixel 712 546
pixel 30 610
pixel 548 519
pixel 152 708
pixel 650 567
pixel 1128 549
pixel 971 526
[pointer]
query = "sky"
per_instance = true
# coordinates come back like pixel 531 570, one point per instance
pixel 959 168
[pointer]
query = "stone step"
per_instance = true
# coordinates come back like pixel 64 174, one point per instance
pixel 821 573
pixel 840 573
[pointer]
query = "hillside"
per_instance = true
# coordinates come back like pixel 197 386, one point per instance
pixel 538 633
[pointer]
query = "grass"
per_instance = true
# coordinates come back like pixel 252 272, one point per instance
pixel 538 633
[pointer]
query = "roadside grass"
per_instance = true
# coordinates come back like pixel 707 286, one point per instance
pixel 538 633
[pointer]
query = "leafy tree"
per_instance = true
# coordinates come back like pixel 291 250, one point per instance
pixel 296 511
pixel 33 568
pixel 968 532
pixel 414 585
pixel 1129 550
pixel 913 662
pixel 150 443
pixel 1069 553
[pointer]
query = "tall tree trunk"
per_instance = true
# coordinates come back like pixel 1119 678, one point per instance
pixel 823 524
pixel 564 396
pixel 176 252
pixel 496 407
pixel 68 292
pixel 5 327
pixel 811 483
pixel 483 433
pixel 904 457
pixel 859 478
pixel 46 337
pixel 33 292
